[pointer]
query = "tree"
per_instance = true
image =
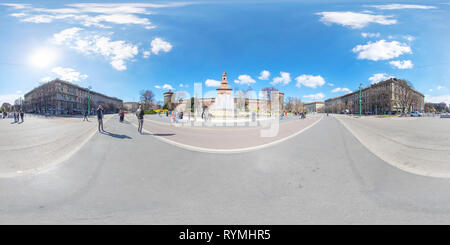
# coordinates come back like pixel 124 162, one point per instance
pixel 350 105
pixel 147 98
pixel 269 91
pixel 405 94
pixel 294 104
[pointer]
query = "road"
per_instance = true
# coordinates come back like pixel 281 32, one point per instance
pixel 321 176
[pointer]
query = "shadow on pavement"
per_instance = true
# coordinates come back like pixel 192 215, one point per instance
pixel 119 136
pixel 158 134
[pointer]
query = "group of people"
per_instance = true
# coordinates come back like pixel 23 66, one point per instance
pixel 139 114
pixel 18 116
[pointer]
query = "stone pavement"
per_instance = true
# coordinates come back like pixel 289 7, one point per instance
pixel 233 139
pixel 417 145
pixel 41 142
pixel 321 176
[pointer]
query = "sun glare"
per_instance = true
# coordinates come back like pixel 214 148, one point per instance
pixel 43 57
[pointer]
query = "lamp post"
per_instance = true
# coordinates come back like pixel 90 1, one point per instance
pixel 89 100
pixel 360 100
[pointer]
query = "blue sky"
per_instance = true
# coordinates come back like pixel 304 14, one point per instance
pixel 311 50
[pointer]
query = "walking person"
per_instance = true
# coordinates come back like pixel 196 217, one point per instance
pixel 22 115
pixel 85 116
pixel 140 116
pixel 121 115
pixel 100 118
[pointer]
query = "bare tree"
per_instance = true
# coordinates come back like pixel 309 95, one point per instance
pixel 147 98
pixel 406 94
pixel 269 91
pixel 350 105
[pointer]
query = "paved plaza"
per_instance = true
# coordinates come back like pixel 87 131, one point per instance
pixel 322 175
pixel 419 145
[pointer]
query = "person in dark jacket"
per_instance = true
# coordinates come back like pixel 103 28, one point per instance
pixel 85 116
pixel 121 115
pixel 21 115
pixel 140 116
pixel 100 118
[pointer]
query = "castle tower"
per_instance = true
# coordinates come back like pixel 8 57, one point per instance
pixel 224 103
pixel 224 85
pixel 168 99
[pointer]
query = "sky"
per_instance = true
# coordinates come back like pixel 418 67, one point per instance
pixel 312 50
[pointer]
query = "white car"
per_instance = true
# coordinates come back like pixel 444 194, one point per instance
pixel 416 114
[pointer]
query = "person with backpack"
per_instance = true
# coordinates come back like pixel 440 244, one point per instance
pixel 140 116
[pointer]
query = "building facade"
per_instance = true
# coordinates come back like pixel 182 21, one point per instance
pixel 314 107
pixel 387 97
pixel 59 97
pixel 130 106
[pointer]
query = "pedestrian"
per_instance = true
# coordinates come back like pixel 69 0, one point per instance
pixel 140 116
pixel 100 118
pixel 86 116
pixel 122 115
pixel 21 115
pixel 15 116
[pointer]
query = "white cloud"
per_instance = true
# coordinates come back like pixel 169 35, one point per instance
pixel 69 74
pixel 45 79
pixel 440 87
pixel 368 34
pixel 9 98
pixel 245 79
pixel 284 79
pixel 336 90
pixel 93 14
pixel 264 75
pixel 167 86
pixel 402 6
pixel 381 50
pixel 111 8
pixel 309 81
pixel 157 86
pixel 378 77
pixel 160 45
pixel 330 84
pixel 117 52
pixel 17 5
pixel 183 85
pixel 18 15
pixel 146 54
pixel 409 37
pixel 212 83
pixel 318 96
pixel 355 20
pixel 438 99
pixel 402 64
pixel 431 90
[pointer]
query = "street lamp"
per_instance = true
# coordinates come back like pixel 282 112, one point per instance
pixel 89 100
pixel 360 100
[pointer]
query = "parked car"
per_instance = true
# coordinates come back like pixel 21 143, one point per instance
pixel 416 114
